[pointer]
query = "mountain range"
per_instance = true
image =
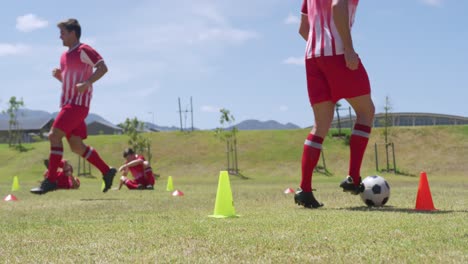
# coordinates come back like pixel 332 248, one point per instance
pixel 250 124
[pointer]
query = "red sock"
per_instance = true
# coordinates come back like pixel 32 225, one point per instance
pixel 93 157
pixel 55 157
pixel 310 157
pixel 149 176
pixel 131 185
pixel 357 146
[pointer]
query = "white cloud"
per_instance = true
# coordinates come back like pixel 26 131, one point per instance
pixel 294 61
pixel 292 19
pixel 283 108
pixel 230 35
pixel 210 109
pixel 432 2
pixel 13 49
pixel 30 22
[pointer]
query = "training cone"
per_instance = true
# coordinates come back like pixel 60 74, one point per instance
pixel 424 197
pixel 177 193
pixel 15 186
pixel 170 186
pixel 224 205
pixel 10 198
pixel 288 191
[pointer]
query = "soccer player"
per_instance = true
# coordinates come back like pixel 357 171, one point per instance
pixel 334 71
pixel 140 169
pixel 65 178
pixel 80 67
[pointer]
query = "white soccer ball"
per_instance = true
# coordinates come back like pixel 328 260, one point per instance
pixel 376 191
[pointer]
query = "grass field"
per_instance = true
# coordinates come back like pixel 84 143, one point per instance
pixel 87 226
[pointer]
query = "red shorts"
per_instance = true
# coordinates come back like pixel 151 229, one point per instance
pixel 71 120
pixel 328 79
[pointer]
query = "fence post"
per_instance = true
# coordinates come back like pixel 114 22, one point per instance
pixel 376 158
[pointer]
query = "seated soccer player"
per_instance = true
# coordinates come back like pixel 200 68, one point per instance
pixel 140 170
pixel 65 178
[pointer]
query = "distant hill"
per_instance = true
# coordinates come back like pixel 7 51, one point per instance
pixel 39 114
pixel 26 114
pixel 153 127
pixel 252 124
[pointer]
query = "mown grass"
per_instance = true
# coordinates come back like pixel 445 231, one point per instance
pixel 86 226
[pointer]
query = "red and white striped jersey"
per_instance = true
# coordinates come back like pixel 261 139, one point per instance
pixel 77 66
pixel 138 171
pixel 324 39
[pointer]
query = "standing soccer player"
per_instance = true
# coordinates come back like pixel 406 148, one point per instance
pixel 80 67
pixel 334 71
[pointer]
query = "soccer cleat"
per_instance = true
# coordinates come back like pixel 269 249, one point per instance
pixel 149 187
pixel 46 186
pixel 108 178
pixel 140 187
pixel 306 199
pixel 348 186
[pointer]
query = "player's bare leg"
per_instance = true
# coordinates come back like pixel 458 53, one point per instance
pixel 323 113
pixel 364 109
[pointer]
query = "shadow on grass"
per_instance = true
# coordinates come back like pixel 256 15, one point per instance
pixel 100 199
pixel 392 209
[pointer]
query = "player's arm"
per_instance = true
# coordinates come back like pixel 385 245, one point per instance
pixel 341 19
pixel 304 27
pixel 100 70
pixel 130 164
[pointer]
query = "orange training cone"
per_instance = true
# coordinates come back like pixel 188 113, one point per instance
pixel 10 198
pixel 289 190
pixel 424 197
pixel 177 193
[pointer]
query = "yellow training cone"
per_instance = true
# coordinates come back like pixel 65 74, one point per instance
pixel 15 186
pixel 169 186
pixel 224 205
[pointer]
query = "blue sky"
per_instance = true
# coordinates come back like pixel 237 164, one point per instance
pixel 243 55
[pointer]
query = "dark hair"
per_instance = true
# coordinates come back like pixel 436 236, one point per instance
pixel 71 24
pixel 128 151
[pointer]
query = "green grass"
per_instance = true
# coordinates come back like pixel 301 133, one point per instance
pixel 86 226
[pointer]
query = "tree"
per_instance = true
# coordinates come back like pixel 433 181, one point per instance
pixel 337 109
pixel 226 118
pixel 139 143
pixel 387 122
pixel 229 136
pixel 14 132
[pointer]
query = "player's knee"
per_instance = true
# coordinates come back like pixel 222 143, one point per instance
pixel 54 137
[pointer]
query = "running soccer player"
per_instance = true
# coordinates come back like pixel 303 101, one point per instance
pixel 334 71
pixel 80 67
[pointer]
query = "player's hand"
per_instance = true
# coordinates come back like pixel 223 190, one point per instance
pixel 351 59
pixel 57 73
pixel 81 87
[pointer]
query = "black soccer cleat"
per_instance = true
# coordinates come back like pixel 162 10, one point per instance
pixel 46 186
pixel 149 187
pixel 306 199
pixel 108 178
pixel 348 186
